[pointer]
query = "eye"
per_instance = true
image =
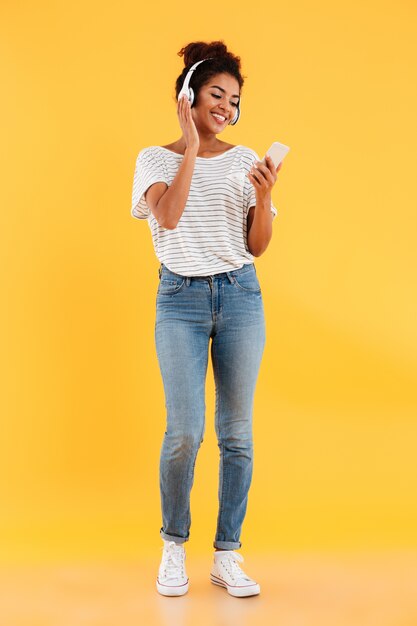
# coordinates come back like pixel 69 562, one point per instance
pixel 216 96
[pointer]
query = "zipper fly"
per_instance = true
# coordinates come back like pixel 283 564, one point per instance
pixel 215 298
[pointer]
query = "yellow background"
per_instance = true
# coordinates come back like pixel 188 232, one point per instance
pixel 84 88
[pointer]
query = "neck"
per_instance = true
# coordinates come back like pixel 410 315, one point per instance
pixel 208 142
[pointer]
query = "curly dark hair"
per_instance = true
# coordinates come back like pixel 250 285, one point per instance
pixel 223 62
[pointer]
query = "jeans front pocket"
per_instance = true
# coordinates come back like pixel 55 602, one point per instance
pixel 170 286
pixel 248 281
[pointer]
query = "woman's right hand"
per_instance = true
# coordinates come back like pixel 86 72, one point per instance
pixel 189 130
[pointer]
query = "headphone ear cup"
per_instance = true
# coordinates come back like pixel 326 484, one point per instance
pixel 235 117
pixel 191 96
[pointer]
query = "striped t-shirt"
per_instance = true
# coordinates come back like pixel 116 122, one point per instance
pixel 210 236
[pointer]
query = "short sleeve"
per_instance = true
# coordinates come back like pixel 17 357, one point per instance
pixel 149 169
pixel 250 194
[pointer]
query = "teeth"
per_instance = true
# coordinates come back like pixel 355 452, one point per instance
pixel 219 117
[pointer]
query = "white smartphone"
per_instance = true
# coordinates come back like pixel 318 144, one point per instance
pixel 277 152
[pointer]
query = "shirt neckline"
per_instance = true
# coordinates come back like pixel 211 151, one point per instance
pixel 203 158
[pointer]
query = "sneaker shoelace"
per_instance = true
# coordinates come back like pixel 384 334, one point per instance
pixel 231 563
pixel 172 559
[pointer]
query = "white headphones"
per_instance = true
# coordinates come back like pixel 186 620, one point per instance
pixel 188 91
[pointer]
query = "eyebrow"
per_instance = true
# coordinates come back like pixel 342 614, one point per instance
pixel 224 91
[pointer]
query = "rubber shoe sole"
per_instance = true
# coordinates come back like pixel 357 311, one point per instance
pixel 238 592
pixel 172 590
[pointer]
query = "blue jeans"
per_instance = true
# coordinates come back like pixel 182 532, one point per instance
pixel 227 307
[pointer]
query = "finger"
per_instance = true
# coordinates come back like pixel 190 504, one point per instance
pixel 270 164
pixel 263 172
pixel 253 179
pixel 271 175
pixel 264 169
pixel 262 176
pixel 257 166
pixel 184 108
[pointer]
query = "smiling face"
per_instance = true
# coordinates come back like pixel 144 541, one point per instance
pixel 216 103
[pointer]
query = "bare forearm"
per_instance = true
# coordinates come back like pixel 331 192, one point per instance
pixel 260 232
pixel 173 202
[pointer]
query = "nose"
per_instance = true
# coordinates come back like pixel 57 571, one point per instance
pixel 226 109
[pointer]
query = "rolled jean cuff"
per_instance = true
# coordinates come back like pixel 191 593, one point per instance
pixel 227 545
pixel 172 537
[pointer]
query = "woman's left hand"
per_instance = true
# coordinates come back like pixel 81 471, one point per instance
pixel 263 177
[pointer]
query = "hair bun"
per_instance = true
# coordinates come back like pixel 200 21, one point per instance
pixel 199 50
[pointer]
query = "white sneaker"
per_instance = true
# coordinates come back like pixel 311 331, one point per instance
pixel 226 572
pixel 172 579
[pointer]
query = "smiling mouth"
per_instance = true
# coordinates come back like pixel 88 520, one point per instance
pixel 219 118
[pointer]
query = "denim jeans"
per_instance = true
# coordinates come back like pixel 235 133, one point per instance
pixel 228 308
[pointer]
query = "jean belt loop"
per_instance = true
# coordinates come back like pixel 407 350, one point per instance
pixel 187 281
pixel 230 277
pixel 160 270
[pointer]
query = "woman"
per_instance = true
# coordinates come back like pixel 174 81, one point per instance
pixel 208 205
